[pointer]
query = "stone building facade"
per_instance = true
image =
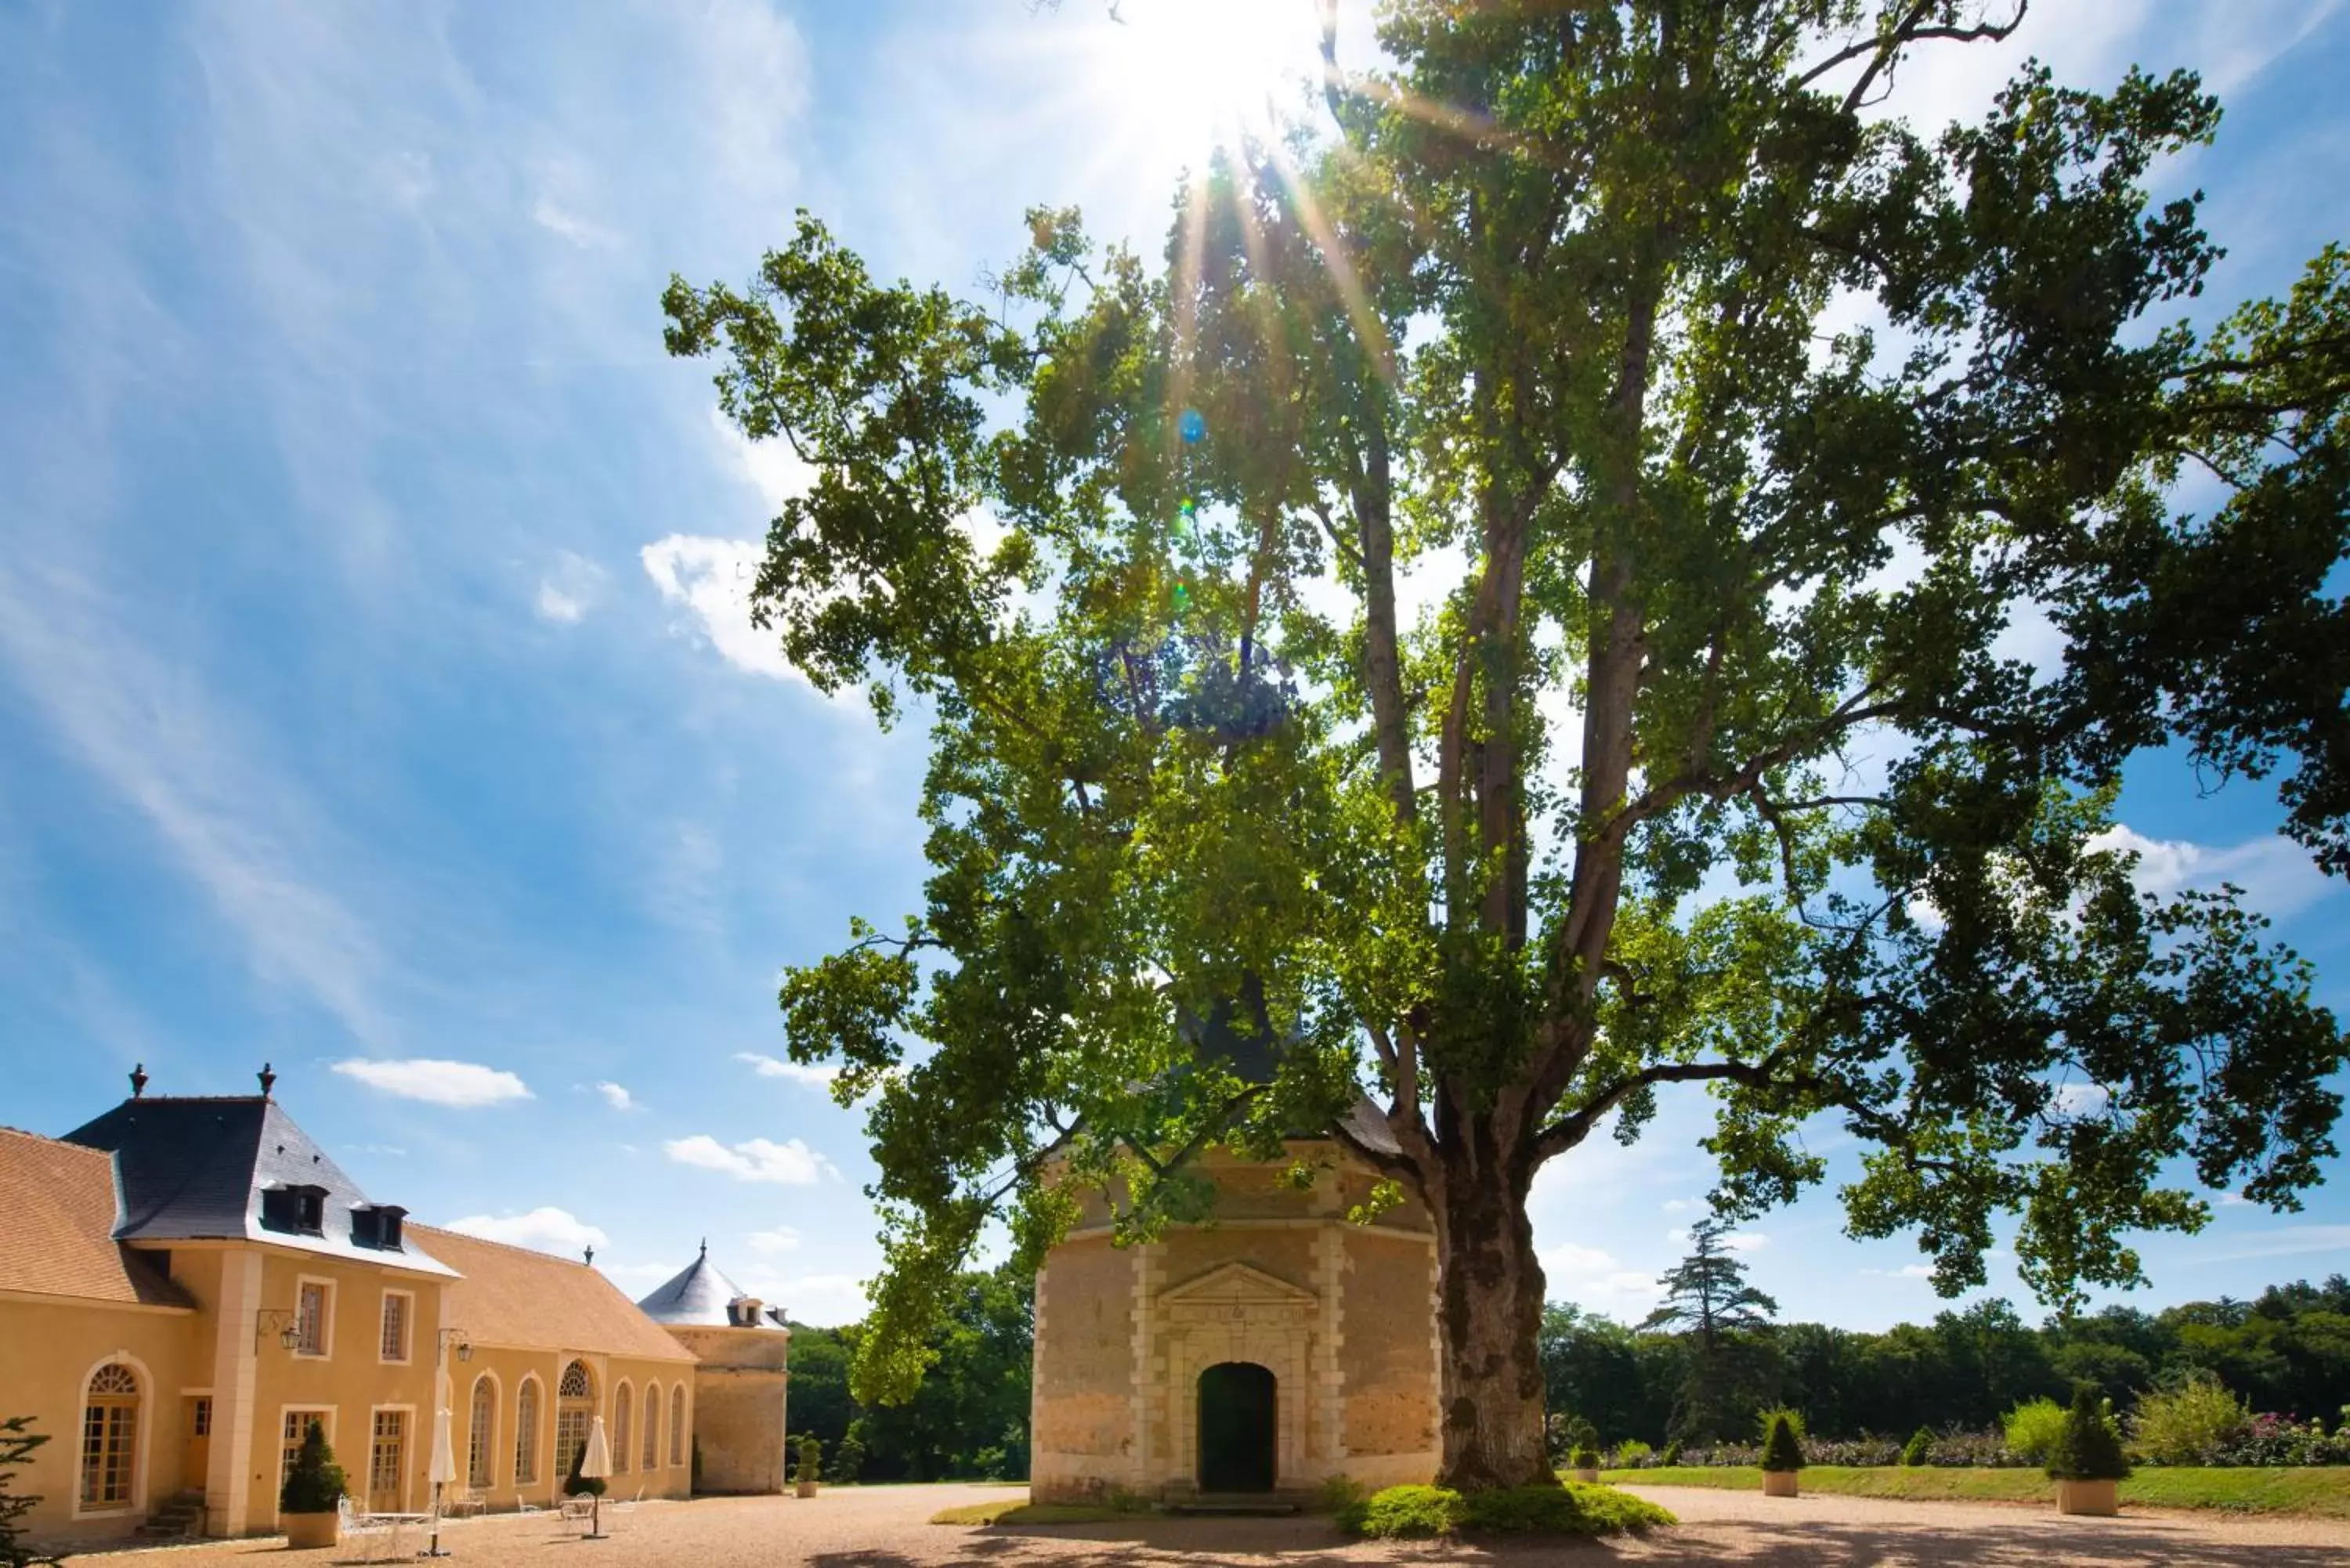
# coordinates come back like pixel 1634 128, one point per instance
pixel 1266 1351
pixel 744 1351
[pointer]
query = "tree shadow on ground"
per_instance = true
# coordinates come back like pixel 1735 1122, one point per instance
pixel 2018 1540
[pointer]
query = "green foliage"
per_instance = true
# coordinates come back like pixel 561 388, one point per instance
pixel 1584 1459
pixel 1418 1512
pixel 810 1452
pixel 576 1484
pixel 1782 1446
pixel 1574 1507
pixel 1340 1494
pixel 1631 1452
pixel 2089 1448
pixel 1179 774
pixel 1672 1453
pixel 1919 1450
pixel 847 1456
pixel 2188 1423
pixel 2033 1428
pixel 1404 1513
pixel 2312 1492
pixel 18 1442
pixel 315 1483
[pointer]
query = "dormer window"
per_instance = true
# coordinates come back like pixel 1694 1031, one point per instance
pixel 299 1210
pixel 376 1225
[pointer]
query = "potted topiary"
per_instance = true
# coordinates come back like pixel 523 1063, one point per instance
pixel 2087 1462
pixel 310 1505
pixel 811 1461
pixel 1586 1464
pixel 1783 1454
pixel 1919 1450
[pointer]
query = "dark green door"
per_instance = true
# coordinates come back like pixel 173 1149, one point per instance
pixel 1237 1424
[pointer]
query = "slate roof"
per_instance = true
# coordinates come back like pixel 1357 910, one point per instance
pixel 1252 1057
pixel 193 1168
pixel 515 1297
pixel 58 1235
pixel 698 1297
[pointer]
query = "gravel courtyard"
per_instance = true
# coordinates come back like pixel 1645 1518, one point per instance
pixel 888 1527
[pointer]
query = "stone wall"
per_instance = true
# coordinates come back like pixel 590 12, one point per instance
pixel 1391 1366
pixel 740 1410
pixel 1082 1424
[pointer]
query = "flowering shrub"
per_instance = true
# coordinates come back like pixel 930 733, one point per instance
pixel 2274 1439
pixel 2180 1426
pixel 2244 1441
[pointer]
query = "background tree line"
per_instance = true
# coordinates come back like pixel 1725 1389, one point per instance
pixel 970 1416
pixel 2286 1351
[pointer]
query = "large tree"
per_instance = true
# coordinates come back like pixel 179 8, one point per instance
pixel 1473 619
pixel 1707 1294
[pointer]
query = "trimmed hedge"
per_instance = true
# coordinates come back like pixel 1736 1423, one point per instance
pixel 1574 1507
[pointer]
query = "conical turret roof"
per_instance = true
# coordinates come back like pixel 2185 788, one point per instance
pixel 700 1296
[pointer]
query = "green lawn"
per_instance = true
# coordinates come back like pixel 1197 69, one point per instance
pixel 2317 1492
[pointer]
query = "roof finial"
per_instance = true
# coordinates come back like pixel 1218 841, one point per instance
pixel 705 1246
pixel 591 1257
pixel 268 1080
pixel 138 1079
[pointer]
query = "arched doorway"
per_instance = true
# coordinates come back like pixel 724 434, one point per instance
pixel 1238 1427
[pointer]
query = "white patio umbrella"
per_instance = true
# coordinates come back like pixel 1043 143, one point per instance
pixel 597 1462
pixel 444 1456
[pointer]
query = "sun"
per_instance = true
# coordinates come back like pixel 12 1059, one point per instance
pixel 1194 77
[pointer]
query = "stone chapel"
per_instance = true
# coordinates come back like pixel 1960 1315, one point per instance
pixel 1262 1352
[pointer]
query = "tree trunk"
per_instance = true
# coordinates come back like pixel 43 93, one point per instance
pixel 1490 1317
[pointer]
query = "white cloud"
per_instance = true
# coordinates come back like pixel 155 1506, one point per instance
pixel 570 226
pixel 437 1082
pixel 2276 874
pixel 1736 1241
pixel 2078 1099
pixel 818 1076
pixel 618 1098
pixel 1905 1271
pixel 382 1149
pixel 771 467
pixel 646 1273
pixel 548 1229
pixel 792 1163
pixel 712 578
pixel 826 1300
pixel 1593 1279
pixel 2285 1242
pixel 569 589
pixel 768 1243
pixel 1679 1205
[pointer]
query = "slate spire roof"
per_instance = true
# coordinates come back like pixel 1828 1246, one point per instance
pixel 191 1168
pixel 700 1296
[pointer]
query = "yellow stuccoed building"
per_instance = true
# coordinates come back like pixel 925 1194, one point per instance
pixel 186 1284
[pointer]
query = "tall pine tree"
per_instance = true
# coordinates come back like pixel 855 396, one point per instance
pixel 1707 1294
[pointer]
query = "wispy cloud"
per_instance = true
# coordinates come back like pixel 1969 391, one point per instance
pixel 569 589
pixel 2276 874
pixel 569 225
pixel 437 1082
pixel 792 1163
pixel 618 1098
pixel 820 1074
pixel 547 1230
pixel 773 1242
pixel 1593 1279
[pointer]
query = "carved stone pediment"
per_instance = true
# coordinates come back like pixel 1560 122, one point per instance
pixel 1235 1292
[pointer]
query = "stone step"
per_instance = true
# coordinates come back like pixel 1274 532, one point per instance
pixel 1234 1505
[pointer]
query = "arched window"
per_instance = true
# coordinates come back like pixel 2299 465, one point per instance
pixel 574 1413
pixel 109 1436
pixel 481 1430
pixel 624 1401
pixel 677 1425
pixel 526 1432
pixel 652 1428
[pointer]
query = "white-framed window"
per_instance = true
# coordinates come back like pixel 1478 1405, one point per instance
pixel 482 1431
pixel 652 1428
pixel 526 1432
pixel 314 1318
pixel 575 1414
pixel 399 1309
pixel 624 1401
pixel 109 1437
pixel 677 1425
pixel 292 1429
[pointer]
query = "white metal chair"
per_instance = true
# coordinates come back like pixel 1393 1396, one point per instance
pixel 360 1530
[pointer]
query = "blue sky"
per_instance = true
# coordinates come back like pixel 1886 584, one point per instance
pixel 374 690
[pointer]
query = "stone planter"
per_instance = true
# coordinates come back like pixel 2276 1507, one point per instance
pixel 1778 1483
pixel 1591 1474
pixel 306 1531
pixel 2100 1498
pixel 804 1488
